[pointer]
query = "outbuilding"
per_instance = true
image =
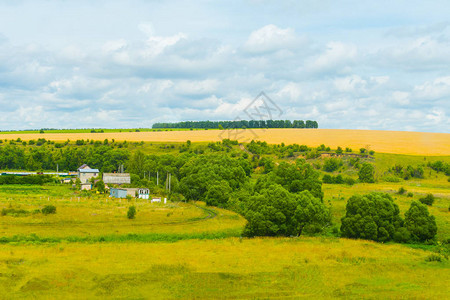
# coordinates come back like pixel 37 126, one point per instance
pixel 118 193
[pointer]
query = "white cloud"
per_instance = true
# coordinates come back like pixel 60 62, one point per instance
pixel 350 83
pixel 271 38
pixel 338 57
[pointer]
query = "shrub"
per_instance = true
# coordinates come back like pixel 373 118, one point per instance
pixel 433 257
pixel 410 194
pixel 49 209
pixel 402 235
pixel 131 214
pixel 428 200
pixel 392 179
pixel 367 173
pixel 401 191
pixel 332 164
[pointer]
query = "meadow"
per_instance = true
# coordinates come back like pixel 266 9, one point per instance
pixel 222 269
pixel 90 249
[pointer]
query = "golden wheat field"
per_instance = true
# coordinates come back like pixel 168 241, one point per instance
pixel 400 142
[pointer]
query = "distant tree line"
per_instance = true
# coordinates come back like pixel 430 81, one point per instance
pixel 239 124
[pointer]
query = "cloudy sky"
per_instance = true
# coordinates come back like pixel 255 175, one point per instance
pixel 347 64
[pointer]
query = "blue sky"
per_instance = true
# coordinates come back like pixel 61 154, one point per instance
pixel 347 64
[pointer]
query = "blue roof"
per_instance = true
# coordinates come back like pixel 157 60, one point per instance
pixel 89 171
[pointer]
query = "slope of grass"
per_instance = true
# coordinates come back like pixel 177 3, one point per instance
pixel 230 268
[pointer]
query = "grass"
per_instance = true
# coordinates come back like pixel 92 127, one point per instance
pixel 101 216
pixel 225 268
pixel 414 143
pixel 88 130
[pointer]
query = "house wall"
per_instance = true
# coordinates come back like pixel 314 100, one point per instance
pixel 86 187
pixel 85 177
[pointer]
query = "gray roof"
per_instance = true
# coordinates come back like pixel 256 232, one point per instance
pixel 89 171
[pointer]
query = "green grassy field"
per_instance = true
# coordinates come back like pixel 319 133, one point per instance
pixel 98 130
pixel 89 249
pixel 225 268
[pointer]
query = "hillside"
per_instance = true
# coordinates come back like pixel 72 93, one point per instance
pixel 398 142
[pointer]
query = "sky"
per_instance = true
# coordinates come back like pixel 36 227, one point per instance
pixel 381 65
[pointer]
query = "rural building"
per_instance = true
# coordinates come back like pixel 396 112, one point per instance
pixel 68 180
pixel 86 174
pixel 116 178
pixel 118 193
pixel 131 192
pixel 143 193
pixel 86 186
pixel 83 167
pixel 156 200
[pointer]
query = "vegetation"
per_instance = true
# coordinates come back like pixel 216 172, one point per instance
pixel 367 173
pixel 131 214
pixel 274 190
pixel 276 212
pixel 239 124
pixel 428 199
pixel 376 217
pixel 49 209
pixel 373 217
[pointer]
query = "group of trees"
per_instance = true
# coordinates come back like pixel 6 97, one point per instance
pixel 107 158
pixel 376 217
pixel 407 172
pixel 238 124
pixel 440 166
pixel 287 201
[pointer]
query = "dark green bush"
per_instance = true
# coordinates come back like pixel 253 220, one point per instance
pixel 49 209
pixel 131 214
pixel 401 191
pixel 428 200
pixel 433 257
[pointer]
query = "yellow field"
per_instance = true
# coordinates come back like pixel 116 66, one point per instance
pixel 400 142
pixel 228 268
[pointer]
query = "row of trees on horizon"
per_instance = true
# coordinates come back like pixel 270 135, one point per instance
pixel 239 124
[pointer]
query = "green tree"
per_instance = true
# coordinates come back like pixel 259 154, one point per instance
pixel 367 173
pixel 420 223
pixel 137 163
pixel 100 186
pixel 218 193
pixel 374 216
pixel 78 183
pixel 277 212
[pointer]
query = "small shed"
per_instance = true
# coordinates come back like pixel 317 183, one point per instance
pixel 118 193
pixel 132 192
pixel 143 193
pixel 86 186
